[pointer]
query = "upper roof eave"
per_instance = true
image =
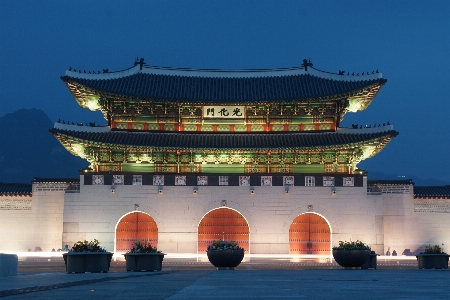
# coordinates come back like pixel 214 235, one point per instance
pixel 176 140
pixel 151 83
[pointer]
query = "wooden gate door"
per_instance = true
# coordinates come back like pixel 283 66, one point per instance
pixel 309 234
pixel 134 227
pixel 223 224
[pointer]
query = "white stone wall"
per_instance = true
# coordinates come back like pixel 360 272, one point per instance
pixel 406 229
pixel 52 218
pixel 95 212
pixel 37 223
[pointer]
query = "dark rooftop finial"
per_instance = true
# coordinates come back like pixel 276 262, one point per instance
pixel 70 69
pixel 377 71
pixel 105 70
pixel 341 72
pixel 74 70
pixel 141 62
pixel 306 64
pixel 84 71
pixel 388 123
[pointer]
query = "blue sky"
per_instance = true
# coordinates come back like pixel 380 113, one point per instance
pixel 408 41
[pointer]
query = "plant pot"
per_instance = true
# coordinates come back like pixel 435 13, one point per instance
pixel 351 258
pixel 149 262
pixel 371 262
pixel 433 260
pixel 81 262
pixel 225 259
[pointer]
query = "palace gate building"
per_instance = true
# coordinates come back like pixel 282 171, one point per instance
pixel 257 156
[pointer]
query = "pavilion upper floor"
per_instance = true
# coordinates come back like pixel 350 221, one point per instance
pixel 144 98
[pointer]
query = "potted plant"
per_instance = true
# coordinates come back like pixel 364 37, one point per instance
pixel 351 254
pixel 143 257
pixel 433 258
pixel 225 255
pixel 87 257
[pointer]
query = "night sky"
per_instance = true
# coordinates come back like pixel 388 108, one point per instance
pixel 408 41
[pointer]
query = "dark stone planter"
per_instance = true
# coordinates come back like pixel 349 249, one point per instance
pixel 82 262
pixel 371 262
pixel 351 258
pixel 149 262
pixel 432 261
pixel 225 259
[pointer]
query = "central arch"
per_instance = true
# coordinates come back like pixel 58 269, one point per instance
pixel 223 224
pixel 310 233
pixel 135 226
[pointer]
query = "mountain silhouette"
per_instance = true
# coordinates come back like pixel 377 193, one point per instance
pixel 28 150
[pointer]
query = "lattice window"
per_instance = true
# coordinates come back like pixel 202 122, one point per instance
pixel 310 181
pixel 122 125
pixel 223 180
pixel 328 181
pixel 137 179
pixel 137 126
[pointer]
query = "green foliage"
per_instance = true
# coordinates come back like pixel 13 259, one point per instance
pixel 358 245
pixel 224 245
pixel 143 247
pixel 92 246
pixel 436 249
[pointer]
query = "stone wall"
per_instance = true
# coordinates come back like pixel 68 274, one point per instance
pixel 407 227
pixel 95 212
pixel 29 222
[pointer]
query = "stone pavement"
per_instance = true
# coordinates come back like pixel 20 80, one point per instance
pixel 255 279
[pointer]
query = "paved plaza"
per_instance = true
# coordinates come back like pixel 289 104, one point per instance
pixel 256 278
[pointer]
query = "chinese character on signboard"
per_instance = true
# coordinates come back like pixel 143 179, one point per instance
pixel 224 112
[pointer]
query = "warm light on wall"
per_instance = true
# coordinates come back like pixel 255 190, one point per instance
pixel 195 190
pixel 252 190
pixel 160 190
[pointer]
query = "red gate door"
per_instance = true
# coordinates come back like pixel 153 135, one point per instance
pixel 134 227
pixel 309 234
pixel 223 224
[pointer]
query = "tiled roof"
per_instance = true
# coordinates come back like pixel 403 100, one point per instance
pixel 224 141
pixel 389 181
pixel 49 180
pixel 224 89
pixel 432 191
pixel 15 189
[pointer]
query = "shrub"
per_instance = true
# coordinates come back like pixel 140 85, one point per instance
pixel 92 246
pixel 224 245
pixel 358 245
pixel 143 247
pixel 436 249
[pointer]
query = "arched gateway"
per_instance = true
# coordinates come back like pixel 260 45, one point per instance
pixel 309 233
pixel 133 227
pixel 223 224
